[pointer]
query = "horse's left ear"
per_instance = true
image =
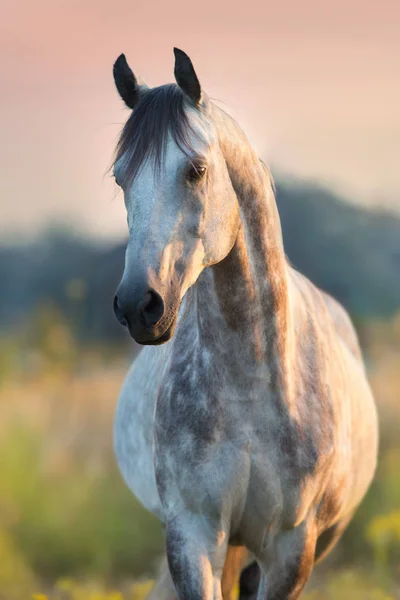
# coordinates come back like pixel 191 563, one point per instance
pixel 186 77
pixel 128 86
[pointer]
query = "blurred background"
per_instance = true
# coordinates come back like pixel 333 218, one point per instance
pixel 316 86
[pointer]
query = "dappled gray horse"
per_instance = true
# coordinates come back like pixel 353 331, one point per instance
pixel 254 426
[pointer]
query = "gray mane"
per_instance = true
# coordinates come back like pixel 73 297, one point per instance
pixel 159 113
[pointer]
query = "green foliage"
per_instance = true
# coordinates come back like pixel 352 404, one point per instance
pixel 8 358
pixel 16 577
pixel 352 584
pixel 67 520
pixel 384 534
pixel 68 589
pixel 51 338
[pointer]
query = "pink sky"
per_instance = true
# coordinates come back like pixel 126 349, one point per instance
pixel 316 85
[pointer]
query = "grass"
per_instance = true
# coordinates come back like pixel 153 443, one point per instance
pixel 71 530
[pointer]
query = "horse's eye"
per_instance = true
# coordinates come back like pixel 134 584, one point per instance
pixel 196 172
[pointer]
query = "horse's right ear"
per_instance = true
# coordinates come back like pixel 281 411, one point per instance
pixel 128 86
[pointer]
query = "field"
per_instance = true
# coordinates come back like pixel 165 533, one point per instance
pixel 69 528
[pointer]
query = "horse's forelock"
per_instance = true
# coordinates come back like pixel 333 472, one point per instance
pixel 160 112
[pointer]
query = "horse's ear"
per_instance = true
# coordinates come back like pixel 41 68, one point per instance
pixel 186 77
pixel 128 86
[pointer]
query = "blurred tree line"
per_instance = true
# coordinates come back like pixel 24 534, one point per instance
pixel 349 251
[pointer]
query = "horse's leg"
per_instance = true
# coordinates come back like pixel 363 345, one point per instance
pixel 196 554
pixel 236 559
pixel 287 565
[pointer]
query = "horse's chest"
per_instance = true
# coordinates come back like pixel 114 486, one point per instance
pixel 208 457
pixel 213 464
pixel 134 430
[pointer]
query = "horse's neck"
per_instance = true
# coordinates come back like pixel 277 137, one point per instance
pixel 250 286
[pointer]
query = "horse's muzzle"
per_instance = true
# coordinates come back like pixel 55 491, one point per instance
pixel 144 317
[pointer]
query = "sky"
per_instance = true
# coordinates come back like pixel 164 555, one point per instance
pixel 314 83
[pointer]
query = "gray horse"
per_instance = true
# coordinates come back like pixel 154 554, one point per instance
pixel 254 427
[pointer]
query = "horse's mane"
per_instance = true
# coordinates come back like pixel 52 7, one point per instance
pixel 159 113
pixel 268 171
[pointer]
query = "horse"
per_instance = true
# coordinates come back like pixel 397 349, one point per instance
pixel 246 424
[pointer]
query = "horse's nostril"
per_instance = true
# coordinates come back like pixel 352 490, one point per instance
pixel 115 304
pixel 135 315
pixel 152 308
pixel 118 312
